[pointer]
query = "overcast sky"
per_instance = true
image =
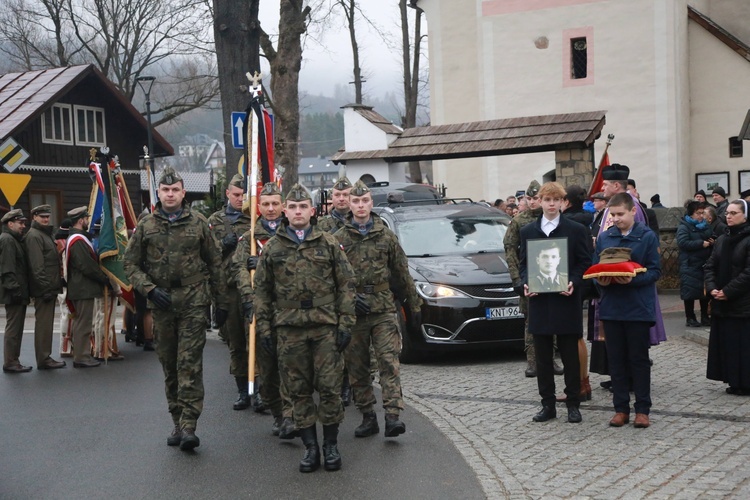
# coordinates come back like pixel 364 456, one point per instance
pixel 327 55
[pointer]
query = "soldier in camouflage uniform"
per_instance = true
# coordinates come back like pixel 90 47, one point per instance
pixel 511 242
pixel 340 200
pixel 273 393
pixel 304 297
pixel 379 262
pixel 171 259
pixel 227 225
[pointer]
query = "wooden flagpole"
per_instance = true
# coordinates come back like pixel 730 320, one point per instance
pixel 252 163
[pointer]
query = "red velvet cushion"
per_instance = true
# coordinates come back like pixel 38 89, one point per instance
pixel 628 268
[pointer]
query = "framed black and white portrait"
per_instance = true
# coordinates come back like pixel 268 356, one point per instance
pixel 547 261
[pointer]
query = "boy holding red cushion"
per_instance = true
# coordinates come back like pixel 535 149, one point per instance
pixel 627 309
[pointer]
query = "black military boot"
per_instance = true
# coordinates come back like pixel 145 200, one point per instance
pixel 276 426
pixel 175 438
pixel 258 405
pixel 368 427
pixel 311 461
pixel 393 426
pixel 346 392
pixel 331 455
pixel 287 429
pixel 189 440
pixel 243 399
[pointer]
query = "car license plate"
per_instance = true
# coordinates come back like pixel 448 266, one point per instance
pixel 503 312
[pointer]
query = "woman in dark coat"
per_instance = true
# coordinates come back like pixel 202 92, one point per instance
pixel 557 313
pixel 695 242
pixel 728 283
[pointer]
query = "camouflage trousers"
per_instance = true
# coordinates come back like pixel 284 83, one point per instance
pixel 272 390
pixel 180 335
pixel 382 331
pixel 308 362
pixel 236 334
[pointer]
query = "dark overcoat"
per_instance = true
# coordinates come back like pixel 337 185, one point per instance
pixel 553 313
pixel 693 256
pixel 738 288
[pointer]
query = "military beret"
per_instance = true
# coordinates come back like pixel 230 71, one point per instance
pixel 238 181
pixel 359 189
pixel 298 192
pixel 615 172
pixel 13 215
pixel 78 213
pixel 533 189
pixel 720 191
pixel 169 176
pixel 599 196
pixel 41 210
pixel 342 184
pixel 270 189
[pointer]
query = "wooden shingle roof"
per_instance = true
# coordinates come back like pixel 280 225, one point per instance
pixel 531 134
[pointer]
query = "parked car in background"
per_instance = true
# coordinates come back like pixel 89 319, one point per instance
pixel 394 193
pixel 457 260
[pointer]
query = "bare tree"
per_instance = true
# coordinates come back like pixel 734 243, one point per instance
pixel 286 60
pixel 349 7
pixel 124 39
pixel 236 35
pixel 410 58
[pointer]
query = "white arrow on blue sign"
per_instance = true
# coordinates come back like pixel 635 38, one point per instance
pixel 238 122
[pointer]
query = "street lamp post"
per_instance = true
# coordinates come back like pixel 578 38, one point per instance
pixel 145 83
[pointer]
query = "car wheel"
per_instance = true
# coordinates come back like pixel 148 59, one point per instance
pixel 409 353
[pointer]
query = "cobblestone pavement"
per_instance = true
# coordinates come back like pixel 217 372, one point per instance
pixel 698 445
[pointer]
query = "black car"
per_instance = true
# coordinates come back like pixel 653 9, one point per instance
pixel 386 193
pixel 457 260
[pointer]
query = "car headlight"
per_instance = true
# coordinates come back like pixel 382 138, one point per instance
pixel 430 291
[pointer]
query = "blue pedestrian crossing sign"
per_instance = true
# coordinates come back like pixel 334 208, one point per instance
pixel 238 125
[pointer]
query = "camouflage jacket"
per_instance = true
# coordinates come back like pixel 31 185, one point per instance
pixel 239 270
pixel 512 241
pixel 220 226
pixel 44 261
pixel 379 263
pixel 181 256
pixel 331 224
pixel 315 270
pixel 14 281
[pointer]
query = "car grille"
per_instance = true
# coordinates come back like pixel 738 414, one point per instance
pixel 480 291
pixel 494 331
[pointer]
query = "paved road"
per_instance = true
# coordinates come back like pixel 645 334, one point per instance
pixel 101 433
pixel 105 428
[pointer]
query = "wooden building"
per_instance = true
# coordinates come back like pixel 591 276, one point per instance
pixel 57 115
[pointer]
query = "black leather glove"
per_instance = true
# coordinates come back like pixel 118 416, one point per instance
pixel 252 262
pixel 221 317
pixel 415 320
pixel 268 343
pixel 49 297
pixel 342 340
pixel 361 306
pixel 519 290
pixel 247 310
pixel 161 298
pixel 229 242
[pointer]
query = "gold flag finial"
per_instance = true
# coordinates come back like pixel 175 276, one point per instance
pixel 92 154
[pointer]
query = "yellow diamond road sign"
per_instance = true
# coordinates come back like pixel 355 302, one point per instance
pixel 12 155
pixel 13 185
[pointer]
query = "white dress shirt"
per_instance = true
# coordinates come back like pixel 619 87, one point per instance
pixel 550 225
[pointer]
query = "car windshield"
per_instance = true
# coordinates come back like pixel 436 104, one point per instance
pixel 453 235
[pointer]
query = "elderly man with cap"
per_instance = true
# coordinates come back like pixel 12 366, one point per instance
pixel 340 199
pixel 379 262
pixel 304 303
pixel 273 393
pixel 172 259
pixel 45 283
pixel 720 200
pixel 14 288
pixel 600 203
pixel 227 225
pixel 512 242
pixel 86 282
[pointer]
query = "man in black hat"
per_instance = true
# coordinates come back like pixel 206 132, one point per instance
pixel 721 202
pixel 14 288
pixel 86 282
pixel 227 225
pixel 656 201
pixel 600 203
pixel 45 283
